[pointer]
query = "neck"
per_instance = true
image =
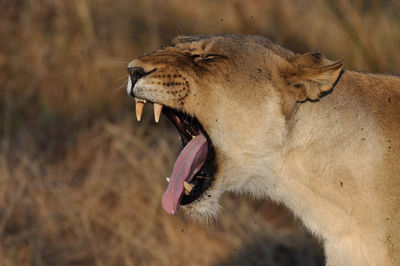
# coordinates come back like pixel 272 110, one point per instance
pixel 317 178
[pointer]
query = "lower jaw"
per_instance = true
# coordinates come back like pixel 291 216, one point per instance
pixel 205 208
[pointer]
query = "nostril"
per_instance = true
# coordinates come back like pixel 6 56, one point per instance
pixel 136 72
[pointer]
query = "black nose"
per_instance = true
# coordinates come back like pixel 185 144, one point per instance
pixel 136 73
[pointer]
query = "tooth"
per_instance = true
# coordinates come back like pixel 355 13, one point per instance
pixel 167 179
pixel 188 187
pixel 157 111
pixel 139 110
pixel 140 100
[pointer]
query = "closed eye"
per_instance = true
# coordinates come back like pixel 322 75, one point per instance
pixel 197 58
pixel 194 56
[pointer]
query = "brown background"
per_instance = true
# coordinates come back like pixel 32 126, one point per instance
pixel 81 180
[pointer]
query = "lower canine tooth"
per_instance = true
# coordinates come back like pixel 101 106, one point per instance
pixel 188 187
pixel 167 179
pixel 157 111
pixel 139 110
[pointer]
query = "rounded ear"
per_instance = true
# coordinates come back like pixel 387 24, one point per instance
pixel 311 74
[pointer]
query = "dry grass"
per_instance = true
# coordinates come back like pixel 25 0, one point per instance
pixel 81 182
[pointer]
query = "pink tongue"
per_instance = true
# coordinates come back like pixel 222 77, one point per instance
pixel 188 163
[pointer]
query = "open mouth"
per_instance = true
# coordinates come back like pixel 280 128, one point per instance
pixel 194 168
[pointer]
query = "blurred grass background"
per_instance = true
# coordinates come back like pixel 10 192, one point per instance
pixel 81 181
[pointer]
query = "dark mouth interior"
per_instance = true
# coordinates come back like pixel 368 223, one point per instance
pixel 188 127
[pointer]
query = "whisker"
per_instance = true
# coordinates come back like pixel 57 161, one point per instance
pixel 178 30
pixel 120 87
pixel 123 77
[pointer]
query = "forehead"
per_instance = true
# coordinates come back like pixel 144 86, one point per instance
pixel 207 42
pixel 231 43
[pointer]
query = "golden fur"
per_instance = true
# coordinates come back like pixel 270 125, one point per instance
pixel 298 129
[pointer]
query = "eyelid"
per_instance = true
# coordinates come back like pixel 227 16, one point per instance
pixel 206 56
pixel 194 56
pixel 211 55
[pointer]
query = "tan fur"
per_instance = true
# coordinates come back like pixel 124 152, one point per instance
pixel 295 128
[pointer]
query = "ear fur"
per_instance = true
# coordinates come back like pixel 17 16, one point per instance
pixel 311 74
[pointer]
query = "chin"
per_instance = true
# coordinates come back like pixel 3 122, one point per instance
pixel 206 207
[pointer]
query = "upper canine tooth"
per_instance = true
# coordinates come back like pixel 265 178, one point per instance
pixel 139 109
pixel 157 111
pixel 140 100
pixel 167 179
pixel 188 187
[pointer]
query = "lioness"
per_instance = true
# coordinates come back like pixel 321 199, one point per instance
pixel 297 128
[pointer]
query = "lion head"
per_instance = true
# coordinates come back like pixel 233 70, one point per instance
pixel 232 98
